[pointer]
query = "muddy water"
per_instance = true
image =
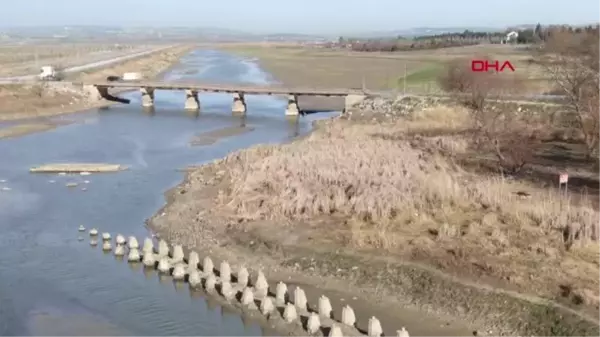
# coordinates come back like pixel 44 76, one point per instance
pixel 53 284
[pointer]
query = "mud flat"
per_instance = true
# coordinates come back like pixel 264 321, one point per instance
pixel 78 168
pixel 212 137
pixel 25 129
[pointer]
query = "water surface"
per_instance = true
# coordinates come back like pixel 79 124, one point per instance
pixel 53 284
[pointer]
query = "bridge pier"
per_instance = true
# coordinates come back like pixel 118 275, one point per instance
pixel 147 97
pixel 93 92
pixel 191 100
pixel 351 100
pixel 292 107
pixel 239 104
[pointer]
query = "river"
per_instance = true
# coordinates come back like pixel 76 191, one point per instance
pixel 51 283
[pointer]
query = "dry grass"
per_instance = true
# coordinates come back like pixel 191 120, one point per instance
pixel 413 202
pixel 44 99
pixel 309 66
pixel 26 59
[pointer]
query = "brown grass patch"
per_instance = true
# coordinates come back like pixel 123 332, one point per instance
pixel 385 192
pixel 308 66
pixel 26 59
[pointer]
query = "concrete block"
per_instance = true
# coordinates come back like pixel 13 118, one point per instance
pixel 179 272
pixel 148 247
pixel 247 297
pixel 119 250
pixel 324 306
pixel 106 246
pixel 163 248
pixel 289 313
pixel 207 265
pixel 225 272
pixel 261 285
pixel 402 333
pixel 193 261
pixel 120 239
pixel 133 243
pixel 227 290
pixel 348 316
pixel 313 324
pixel 242 277
pixel 148 260
pixel 178 255
pixel 134 255
pixel 374 328
pixel 300 299
pixel 280 292
pixel 194 279
pixel 266 306
pixel 164 266
pixel 335 331
pixel 210 283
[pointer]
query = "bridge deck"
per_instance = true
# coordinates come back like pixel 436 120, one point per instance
pixel 231 88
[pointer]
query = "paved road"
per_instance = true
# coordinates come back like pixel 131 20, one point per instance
pixel 88 66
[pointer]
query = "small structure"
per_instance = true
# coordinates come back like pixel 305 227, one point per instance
pixel 131 77
pixel 511 37
pixel 47 73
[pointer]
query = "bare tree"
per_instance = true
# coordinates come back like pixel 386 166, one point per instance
pixel 571 60
pixel 507 134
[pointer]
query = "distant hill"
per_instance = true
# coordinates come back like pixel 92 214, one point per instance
pixel 417 31
pixel 206 34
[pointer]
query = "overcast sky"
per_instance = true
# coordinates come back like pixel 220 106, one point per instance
pixel 302 16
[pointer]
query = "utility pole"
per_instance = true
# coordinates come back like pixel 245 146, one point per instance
pixel 364 86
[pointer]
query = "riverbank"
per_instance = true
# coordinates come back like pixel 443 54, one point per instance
pixel 18 102
pixel 379 210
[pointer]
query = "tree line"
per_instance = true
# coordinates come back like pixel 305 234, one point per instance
pixel 467 38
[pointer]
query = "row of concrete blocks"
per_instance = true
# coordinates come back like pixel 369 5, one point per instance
pixel 192 103
pixel 187 269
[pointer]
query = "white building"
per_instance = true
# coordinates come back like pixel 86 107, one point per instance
pixel 511 37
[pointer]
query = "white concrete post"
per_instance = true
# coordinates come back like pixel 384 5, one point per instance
pixel 239 103
pixel 292 107
pixel 192 103
pixel 147 97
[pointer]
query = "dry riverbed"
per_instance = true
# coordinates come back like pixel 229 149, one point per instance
pixel 214 136
pixel 386 215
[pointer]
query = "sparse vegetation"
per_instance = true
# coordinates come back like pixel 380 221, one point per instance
pixel 399 189
pixel 26 59
pixel 418 187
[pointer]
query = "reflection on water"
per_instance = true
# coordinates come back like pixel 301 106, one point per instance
pixel 53 284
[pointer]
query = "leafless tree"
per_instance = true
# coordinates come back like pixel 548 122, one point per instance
pixel 507 134
pixel 571 59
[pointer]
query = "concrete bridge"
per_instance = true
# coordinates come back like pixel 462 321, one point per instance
pixel 351 96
